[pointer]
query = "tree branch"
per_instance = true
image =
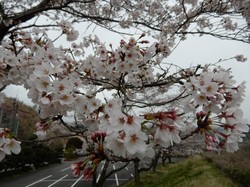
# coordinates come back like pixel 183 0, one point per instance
pixel 3 87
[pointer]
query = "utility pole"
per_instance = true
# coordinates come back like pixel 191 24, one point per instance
pixel 14 123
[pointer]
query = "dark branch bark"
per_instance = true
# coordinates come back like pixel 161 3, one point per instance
pixel 191 134
pixel 3 87
pixel 3 30
pixel 27 15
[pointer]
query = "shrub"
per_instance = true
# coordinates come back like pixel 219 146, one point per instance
pixel 235 165
pixel 69 153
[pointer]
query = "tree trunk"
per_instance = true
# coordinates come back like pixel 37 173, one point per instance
pixel 137 173
pixel 155 160
pixel 94 184
pixel 163 160
pixel 169 159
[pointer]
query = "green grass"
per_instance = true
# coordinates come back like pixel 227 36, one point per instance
pixel 235 165
pixel 192 172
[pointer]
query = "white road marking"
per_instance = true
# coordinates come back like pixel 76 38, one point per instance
pixel 131 175
pixel 77 181
pixel 38 181
pixel 99 173
pixel 65 169
pixel 73 180
pixel 126 168
pixel 98 177
pixel 102 167
pixel 64 180
pixel 116 178
pixel 58 180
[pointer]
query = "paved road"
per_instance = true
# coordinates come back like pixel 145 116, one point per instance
pixel 59 175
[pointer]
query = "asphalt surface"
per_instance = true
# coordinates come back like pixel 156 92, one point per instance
pixel 59 175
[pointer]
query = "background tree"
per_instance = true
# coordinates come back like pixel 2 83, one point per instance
pixel 26 117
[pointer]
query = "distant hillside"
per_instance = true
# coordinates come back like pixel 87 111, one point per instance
pixel 18 117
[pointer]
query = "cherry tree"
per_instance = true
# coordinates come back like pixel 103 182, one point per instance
pixel 128 101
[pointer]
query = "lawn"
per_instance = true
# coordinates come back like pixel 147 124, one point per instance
pixel 193 172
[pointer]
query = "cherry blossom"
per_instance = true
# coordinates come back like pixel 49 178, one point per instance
pixel 12 146
pixel 128 101
pixel 115 142
pixel 210 89
pixel 117 122
pixel 77 167
pixel 8 144
pixel 167 134
pixel 134 142
pixel 88 172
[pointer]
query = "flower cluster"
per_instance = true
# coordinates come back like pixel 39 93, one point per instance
pixel 67 29
pixel 216 98
pixel 59 83
pixel 89 165
pixel 8 144
pixel 98 136
pixel 168 126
